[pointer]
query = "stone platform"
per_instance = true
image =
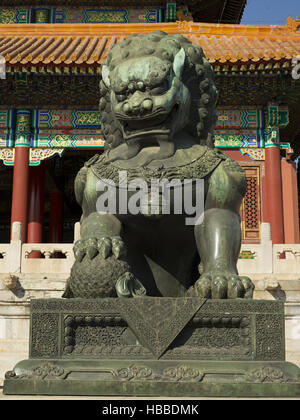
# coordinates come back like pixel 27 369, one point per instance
pixel 156 347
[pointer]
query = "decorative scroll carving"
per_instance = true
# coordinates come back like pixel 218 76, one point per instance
pixel 140 373
pixel 180 373
pixel 183 373
pixel 36 155
pixel 267 374
pixel 253 153
pixel 8 156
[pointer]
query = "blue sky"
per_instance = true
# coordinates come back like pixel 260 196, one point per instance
pixel 270 12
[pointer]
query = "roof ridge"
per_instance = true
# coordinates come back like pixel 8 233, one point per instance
pixel 188 27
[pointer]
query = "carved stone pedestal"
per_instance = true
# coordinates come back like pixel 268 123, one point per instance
pixel 156 347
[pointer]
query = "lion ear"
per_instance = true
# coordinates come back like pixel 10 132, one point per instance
pixel 105 75
pixel 179 63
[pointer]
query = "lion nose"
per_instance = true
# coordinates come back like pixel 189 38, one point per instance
pixel 126 108
pixel 138 104
pixel 147 104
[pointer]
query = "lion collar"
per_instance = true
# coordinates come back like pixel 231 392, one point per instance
pixel 204 162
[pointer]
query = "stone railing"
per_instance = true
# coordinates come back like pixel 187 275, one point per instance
pixel 15 257
pixel 257 258
pixel 269 258
pixel 49 258
pixel 252 259
pixel 58 258
pixel 286 258
pixel 52 258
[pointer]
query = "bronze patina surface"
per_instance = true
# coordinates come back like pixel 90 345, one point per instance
pixel 158 113
pixel 156 347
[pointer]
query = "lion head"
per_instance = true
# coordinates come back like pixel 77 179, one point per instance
pixel 153 86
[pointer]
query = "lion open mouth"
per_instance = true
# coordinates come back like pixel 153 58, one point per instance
pixel 154 124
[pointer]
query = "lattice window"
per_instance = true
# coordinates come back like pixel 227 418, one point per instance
pixel 250 210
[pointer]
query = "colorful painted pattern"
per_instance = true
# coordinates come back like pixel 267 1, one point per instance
pixel 37 155
pixel 171 12
pixel 14 15
pixel 86 119
pixel 66 129
pixel 271 135
pixel 7 156
pixel 283 118
pixel 41 15
pixel 254 153
pixel 247 255
pixel 23 129
pixel 68 119
pixel 231 139
pixel 6 128
pixel 275 118
pixel 236 129
pixel 75 141
pixel 239 128
pixel 8 16
pixel 237 118
pixel 106 15
pixel 81 15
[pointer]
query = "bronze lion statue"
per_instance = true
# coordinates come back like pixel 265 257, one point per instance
pixel 157 107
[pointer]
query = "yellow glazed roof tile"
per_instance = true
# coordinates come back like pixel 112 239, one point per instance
pixel 88 44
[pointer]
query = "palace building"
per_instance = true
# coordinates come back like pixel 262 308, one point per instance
pixel 50 124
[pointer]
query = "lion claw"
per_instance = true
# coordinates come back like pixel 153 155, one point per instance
pixel 106 246
pixel 223 285
pixel 118 247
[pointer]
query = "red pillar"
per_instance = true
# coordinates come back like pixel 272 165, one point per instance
pixel 274 204
pixel 290 201
pixel 20 188
pixel 21 166
pixel 56 217
pixel 36 206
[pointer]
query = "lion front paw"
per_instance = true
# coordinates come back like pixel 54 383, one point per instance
pixel 105 246
pixel 101 270
pixel 223 285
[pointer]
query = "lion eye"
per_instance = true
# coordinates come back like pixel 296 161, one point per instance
pixel 121 98
pixel 160 89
